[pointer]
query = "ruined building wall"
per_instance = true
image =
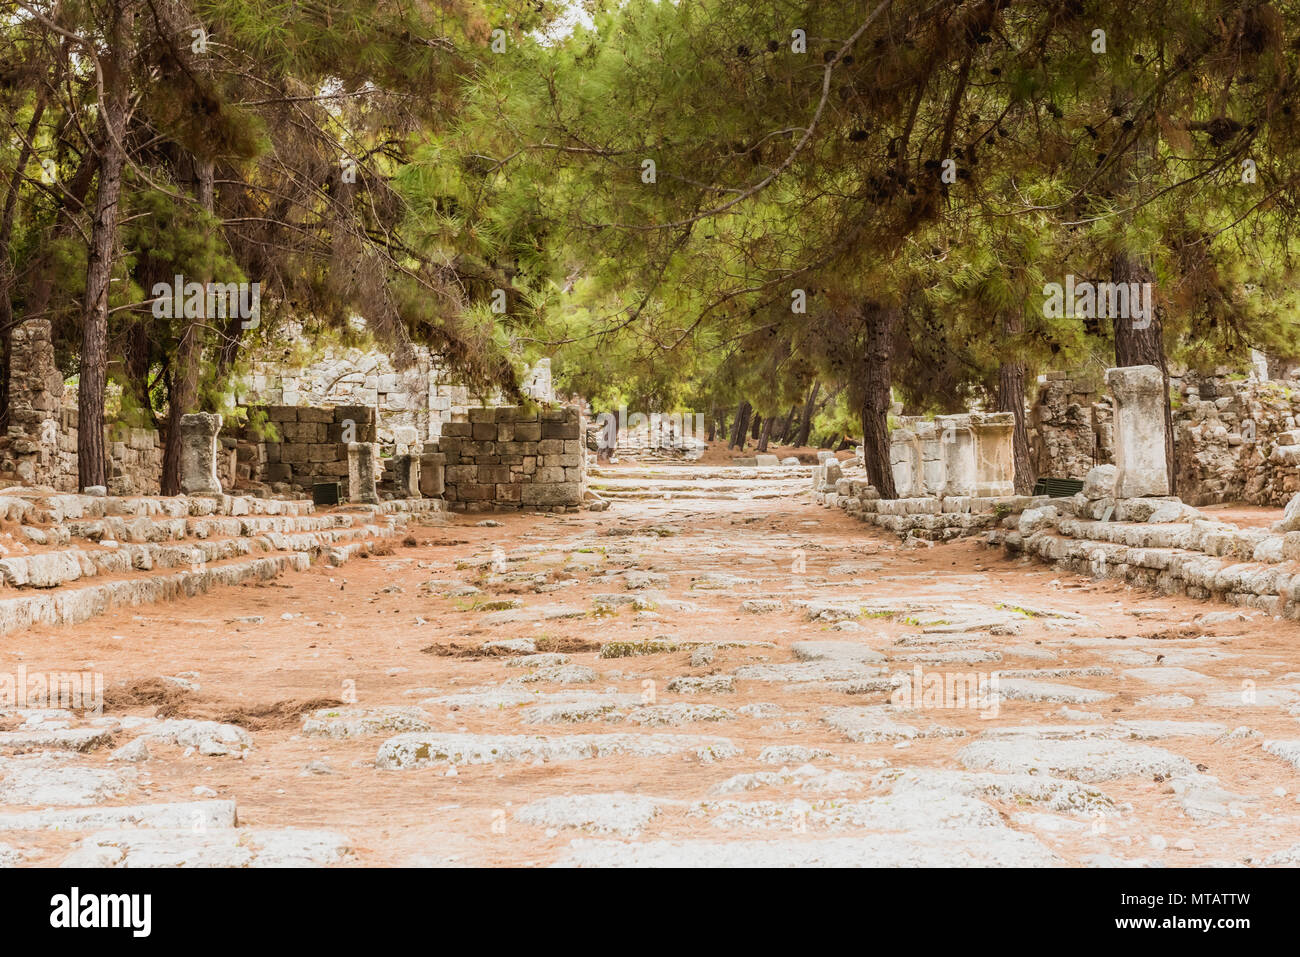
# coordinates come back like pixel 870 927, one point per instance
pixel 307 408
pixel 1237 440
pixel 510 457
pixel 1236 437
pixel 305 445
pixel 41 445
pixel 1071 425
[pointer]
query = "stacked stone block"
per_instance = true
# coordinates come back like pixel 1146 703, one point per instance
pixel 511 457
pixel 1071 426
pixel 312 444
pixel 32 451
pixel 1236 438
pixel 422 397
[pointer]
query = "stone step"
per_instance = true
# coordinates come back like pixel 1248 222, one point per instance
pixel 669 485
pixel 690 473
pixel 68 604
pixel 1269 586
pixel 744 493
pixel 55 568
pixel 39 507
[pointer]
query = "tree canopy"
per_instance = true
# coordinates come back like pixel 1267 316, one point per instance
pixel 704 204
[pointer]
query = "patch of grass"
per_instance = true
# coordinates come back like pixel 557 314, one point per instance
pixel 454 649
pixel 548 644
pixel 495 604
pixel 1015 609
pixel 628 649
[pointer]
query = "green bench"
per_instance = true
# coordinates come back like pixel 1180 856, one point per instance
pixel 1058 487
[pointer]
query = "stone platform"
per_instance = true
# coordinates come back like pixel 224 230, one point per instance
pixel 70 557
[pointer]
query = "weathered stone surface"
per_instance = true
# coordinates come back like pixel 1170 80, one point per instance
pixel 1140 431
pixel 199 454
pixel 709 684
pixel 359 722
pixel 973 847
pixel 881 723
pixel 1029 690
pixel 618 813
pixel 1100 482
pixel 44 778
pixel 362 473
pixel 207 737
pixel 659 715
pixel 217 847
pixel 1089 761
pixel 424 750
pixel 195 815
pixel 843 651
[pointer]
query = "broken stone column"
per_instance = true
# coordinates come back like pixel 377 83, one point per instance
pixel 994 435
pixel 1139 393
pixel 35 398
pixel 406 475
pixel 537 384
pixel 199 454
pixel 905 461
pixel 362 477
pixel 928 437
pixel 1258 365
pixel 957 445
pixel 433 466
pixel 830 473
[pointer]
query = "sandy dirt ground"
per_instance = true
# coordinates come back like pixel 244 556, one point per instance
pixel 1162 737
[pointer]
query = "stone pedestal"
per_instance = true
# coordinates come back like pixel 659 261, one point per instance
pixel 932 472
pixel 905 461
pixel 362 485
pixel 1139 393
pixel 406 475
pixel 957 446
pixel 433 470
pixel 199 454
pixel 537 383
pixel 994 437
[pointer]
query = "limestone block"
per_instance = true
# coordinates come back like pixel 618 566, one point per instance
pixel 905 461
pixel 1139 393
pixel 199 454
pixel 362 473
pixel 957 448
pixel 1100 482
pixel 994 434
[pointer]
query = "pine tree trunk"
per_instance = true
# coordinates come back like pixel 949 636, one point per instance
pixel 92 465
pixel 877 399
pixel 1145 346
pixel 183 395
pixel 1011 398
pixel 785 428
pixel 805 425
pixel 754 426
pixel 742 426
pixel 765 435
pixel 7 321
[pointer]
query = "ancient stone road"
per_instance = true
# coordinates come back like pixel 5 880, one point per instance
pixel 676 682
